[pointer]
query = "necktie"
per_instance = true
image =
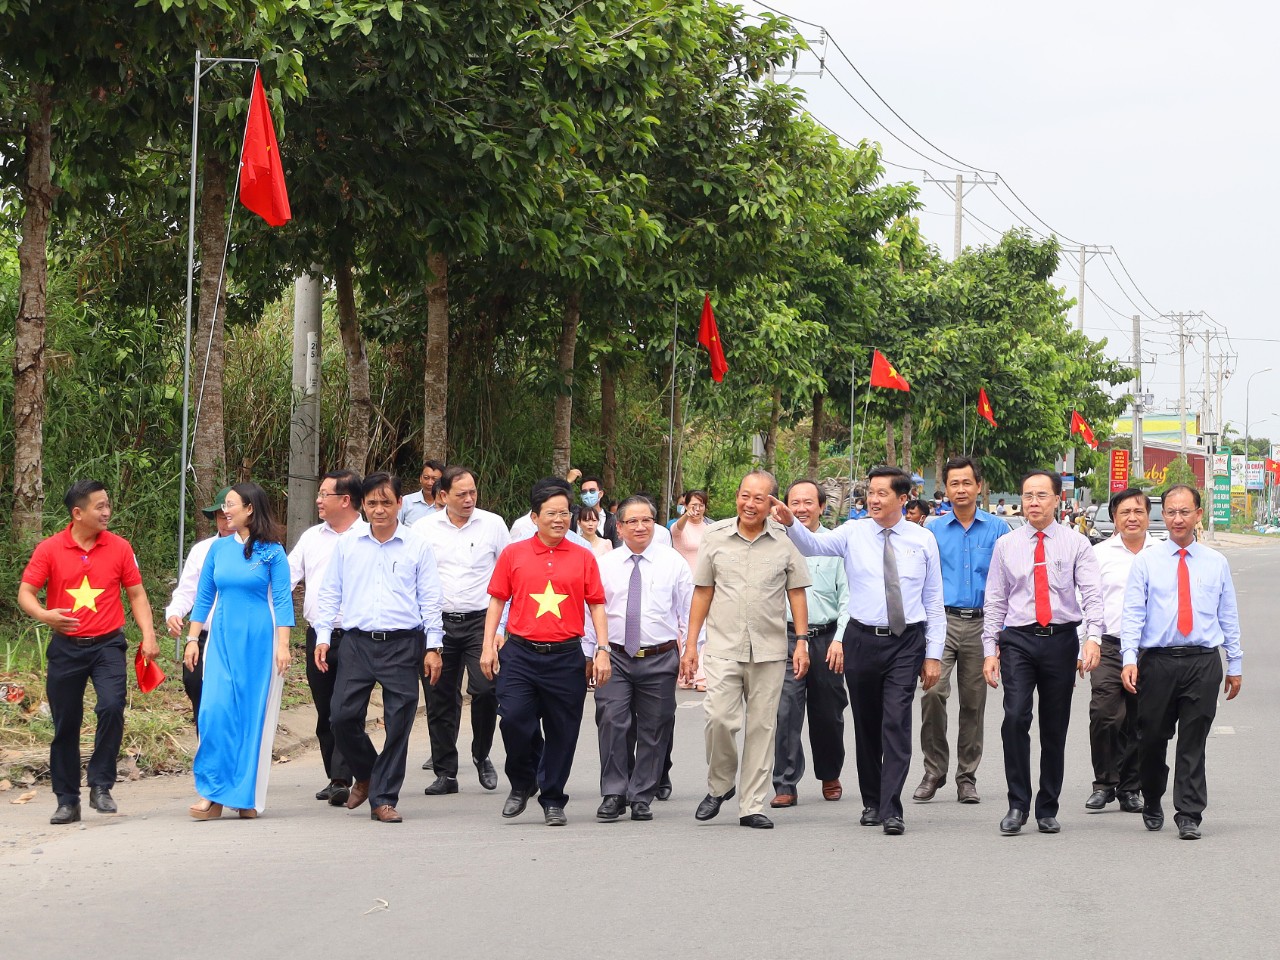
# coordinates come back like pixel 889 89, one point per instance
pixel 1186 617
pixel 631 632
pixel 1040 576
pixel 893 589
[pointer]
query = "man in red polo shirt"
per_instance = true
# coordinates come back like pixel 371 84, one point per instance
pixel 83 570
pixel 541 683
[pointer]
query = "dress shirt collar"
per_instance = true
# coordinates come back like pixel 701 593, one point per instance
pixel 771 527
pixel 1116 542
pixel 1050 531
pixel 397 534
pixel 979 516
pixel 442 517
pixel 647 552
pixel 896 528
pixel 327 527
pixel 1192 550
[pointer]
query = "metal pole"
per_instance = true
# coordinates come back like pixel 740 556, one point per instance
pixel 1182 386
pixel 1137 465
pixel 1080 299
pixel 1248 516
pixel 853 365
pixel 959 213
pixel 671 423
pixel 304 426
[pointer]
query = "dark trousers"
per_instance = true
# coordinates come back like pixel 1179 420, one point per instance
pixel 193 680
pixel 540 701
pixel 69 669
pixel 821 693
pixel 396 665
pixel 1046 666
pixel 322 684
pixel 1113 725
pixel 882 674
pixel 463 644
pixel 635 719
pixel 664 779
pixel 1182 692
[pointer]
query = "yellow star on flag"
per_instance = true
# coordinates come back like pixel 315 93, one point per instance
pixel 85 596
pixel 548 601
pixel 893 372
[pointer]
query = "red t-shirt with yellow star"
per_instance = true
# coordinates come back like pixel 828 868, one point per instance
pixel 86 584
pixel 547 587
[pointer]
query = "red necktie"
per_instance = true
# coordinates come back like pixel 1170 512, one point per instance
pixel 1185 616
pixel 1040 576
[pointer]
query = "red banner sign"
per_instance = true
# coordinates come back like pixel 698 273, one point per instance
pixel 1119 470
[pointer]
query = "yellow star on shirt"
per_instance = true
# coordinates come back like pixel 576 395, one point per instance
pixel 85 596
pixel 548 601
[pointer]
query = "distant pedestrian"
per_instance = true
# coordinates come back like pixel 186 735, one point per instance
pixel 422 501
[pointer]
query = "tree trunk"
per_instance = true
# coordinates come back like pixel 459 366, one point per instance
pixel 435 380
pixel 891 448
pixel 906 441
pixel 562 424
pixel 771 438
pixel 208 351
pixel 815 437
pixel 609 426
pixel 939 458
pixel 29 336
pixel 359 401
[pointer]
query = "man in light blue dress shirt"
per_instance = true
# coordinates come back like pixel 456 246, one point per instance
pixel 1179 608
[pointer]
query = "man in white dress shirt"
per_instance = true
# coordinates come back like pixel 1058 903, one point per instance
pixel 422 501
pixel 647 589
pixel 467 542
pixel 338 505
pixel 1113 711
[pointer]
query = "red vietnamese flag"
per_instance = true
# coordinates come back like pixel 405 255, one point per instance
pixel 1079 426
pixel 709 337
pixel 261 176
pixel 984 407
pixel 885 374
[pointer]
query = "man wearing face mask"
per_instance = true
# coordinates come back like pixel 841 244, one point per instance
pixel 592 495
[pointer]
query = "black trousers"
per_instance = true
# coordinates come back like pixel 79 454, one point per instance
pixel 463 644
pixel 322 684
pixel 821 694
pixel 193 680
pixel 1176 692
pixel 396 665
pixel 540 702
pixel 69 670
pixel 1031 665
pixel 882 673
pixel 1113 725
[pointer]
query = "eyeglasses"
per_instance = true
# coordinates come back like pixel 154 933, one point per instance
pixel 1180 514
pixel 558 515
pixel 321 496
pixel 637 522
pixel 227 506
pixel 1039 497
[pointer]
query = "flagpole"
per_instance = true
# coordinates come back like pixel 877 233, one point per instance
pixel 671 421
pixel 964 426
pixel 862 435
pixel 853 412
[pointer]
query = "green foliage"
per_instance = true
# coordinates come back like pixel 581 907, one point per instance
pixel 1178 471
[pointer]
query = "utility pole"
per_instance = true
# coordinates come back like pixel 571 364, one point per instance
pixel 304 425
pixel 959 192
pixel 1084 251
pixel 1137 467
pixel 1207 423
pixel 1182 383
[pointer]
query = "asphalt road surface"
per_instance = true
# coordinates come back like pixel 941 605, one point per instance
pixel 456 880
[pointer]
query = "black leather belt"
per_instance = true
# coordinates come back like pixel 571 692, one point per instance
pixel 964 613
pixel 1051 630
pixel 383 636
pixel 1111 638
pixel 90 641
pixel 645 651
pixel 463 617
pixel 815 630
pixel 1182 650
pixel 559 646
pixel 883 631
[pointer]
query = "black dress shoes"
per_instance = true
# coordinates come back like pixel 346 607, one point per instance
pixel 1048 825
pixel 894 826
pixel 340 795
pixel 517 800
pixel 66 813
pixel 327 791
pixel 1012 823
pixel 640 811
pixel 870 817
pixel 100 800
pixel 428 763
pixel 1130 802
pixel 612 807
pixel 664 791
pixel 554 817
pixel 488 775
pixel 756 821
pixel 1099 799
pixel 1188 829
pixel 1152 818
pixel 710 805
pixel 442 785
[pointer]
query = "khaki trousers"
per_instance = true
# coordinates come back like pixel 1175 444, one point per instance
pixel 962 657
pixel 739 693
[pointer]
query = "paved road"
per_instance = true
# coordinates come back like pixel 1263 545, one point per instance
pixel 457 880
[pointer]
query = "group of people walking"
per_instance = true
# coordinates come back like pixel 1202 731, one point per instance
pixel 783 620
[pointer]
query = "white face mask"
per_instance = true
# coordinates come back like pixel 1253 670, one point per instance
pixel 590 497
pixel 679 509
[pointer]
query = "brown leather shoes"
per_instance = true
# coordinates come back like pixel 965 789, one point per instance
pixel 386 814
pixel 359 794
pixel 928 787
pixel 783 800
pixel 831 790
pixel 966 792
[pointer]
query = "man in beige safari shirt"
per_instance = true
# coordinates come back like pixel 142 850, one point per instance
pixel 747 570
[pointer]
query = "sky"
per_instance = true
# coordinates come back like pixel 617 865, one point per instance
pixel 1144 127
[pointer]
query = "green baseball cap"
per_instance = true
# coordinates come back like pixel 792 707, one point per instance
pixel 211 511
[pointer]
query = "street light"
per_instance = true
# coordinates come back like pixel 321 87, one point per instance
pixel 1247 384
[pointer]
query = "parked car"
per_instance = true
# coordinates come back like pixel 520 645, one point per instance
pixel 1103 526
pixel 1015 522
